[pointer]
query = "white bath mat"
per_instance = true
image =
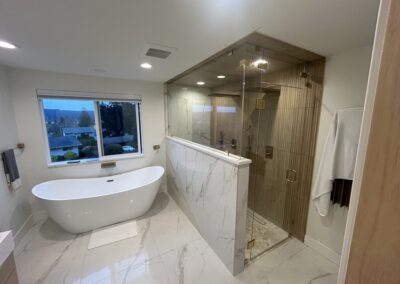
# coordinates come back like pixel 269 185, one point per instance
pixel 112 234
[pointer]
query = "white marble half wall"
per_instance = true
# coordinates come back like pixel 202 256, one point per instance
pixel 211 188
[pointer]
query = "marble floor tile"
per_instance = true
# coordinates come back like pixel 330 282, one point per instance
pixel 53 263
pixel 121 255
pixel 167 250
pixel 149 272
pixel 152 271
pixel 195 262
pixel 304 267
pixel 172 230
pixel 258 269
pixel 44 233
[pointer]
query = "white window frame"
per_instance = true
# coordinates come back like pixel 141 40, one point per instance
pixel 95 98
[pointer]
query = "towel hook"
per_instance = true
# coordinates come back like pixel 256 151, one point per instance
pixel 20 146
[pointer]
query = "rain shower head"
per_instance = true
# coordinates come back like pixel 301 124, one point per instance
pixel 304 73
pixel 263 66
pixel 260 63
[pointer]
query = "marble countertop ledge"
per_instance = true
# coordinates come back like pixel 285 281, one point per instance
pixel 6 245
pixel 230 158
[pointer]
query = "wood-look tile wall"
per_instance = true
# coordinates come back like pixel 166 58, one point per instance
pixel 289 124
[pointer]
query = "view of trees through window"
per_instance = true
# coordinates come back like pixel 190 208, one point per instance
pixel 72 132
pixel 119 127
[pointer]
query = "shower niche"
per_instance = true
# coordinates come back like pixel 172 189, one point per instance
pixel 261 101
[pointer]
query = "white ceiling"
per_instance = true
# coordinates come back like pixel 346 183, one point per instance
pixel 81 36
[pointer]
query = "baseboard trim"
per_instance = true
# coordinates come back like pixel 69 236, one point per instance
pixel 322 249
pixel 23 229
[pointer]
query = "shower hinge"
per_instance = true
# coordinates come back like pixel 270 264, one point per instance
pixel 251 243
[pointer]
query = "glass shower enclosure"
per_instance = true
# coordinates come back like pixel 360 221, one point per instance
pixel 261 101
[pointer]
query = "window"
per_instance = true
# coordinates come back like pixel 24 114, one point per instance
pixel 80 130
pixel 119 127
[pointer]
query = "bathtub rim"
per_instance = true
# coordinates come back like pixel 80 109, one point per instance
pixel 100 195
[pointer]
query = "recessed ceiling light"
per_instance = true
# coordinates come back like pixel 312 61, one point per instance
pixel 145 65
pixel 221 76
pixel 259 61
pixel 5 44
pixel 200 83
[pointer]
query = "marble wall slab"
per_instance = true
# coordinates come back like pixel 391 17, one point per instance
pixel 213 194
pixel 189 113
pixel 225 123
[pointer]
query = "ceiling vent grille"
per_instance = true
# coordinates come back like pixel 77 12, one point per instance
pixel 158 53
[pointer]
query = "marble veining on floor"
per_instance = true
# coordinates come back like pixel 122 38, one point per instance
pixel 167 249
pixel 265 233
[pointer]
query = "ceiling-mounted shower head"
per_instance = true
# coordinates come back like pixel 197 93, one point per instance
pixel 263 66
pixel 260 62
pixel 304 73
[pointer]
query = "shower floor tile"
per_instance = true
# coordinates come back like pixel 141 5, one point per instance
pixel 265 233
pixel 167 250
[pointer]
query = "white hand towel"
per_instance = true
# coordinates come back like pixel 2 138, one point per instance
pixel 338 157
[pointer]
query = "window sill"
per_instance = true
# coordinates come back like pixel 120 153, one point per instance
pixel 96 161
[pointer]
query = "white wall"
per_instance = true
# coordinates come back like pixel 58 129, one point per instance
pixel 23 84
pixel 13 208
pixel 345 83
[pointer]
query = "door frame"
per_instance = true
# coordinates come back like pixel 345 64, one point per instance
pixel 380 32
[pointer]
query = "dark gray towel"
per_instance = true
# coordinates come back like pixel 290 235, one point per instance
pixel 10 165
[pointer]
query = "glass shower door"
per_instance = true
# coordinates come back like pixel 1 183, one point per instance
pixel 251 142
pixel 267 183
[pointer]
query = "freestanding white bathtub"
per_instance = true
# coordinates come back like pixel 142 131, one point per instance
pixel 81 205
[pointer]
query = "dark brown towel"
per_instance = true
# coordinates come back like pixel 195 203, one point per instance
pixel 341 191
pixel 10 165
